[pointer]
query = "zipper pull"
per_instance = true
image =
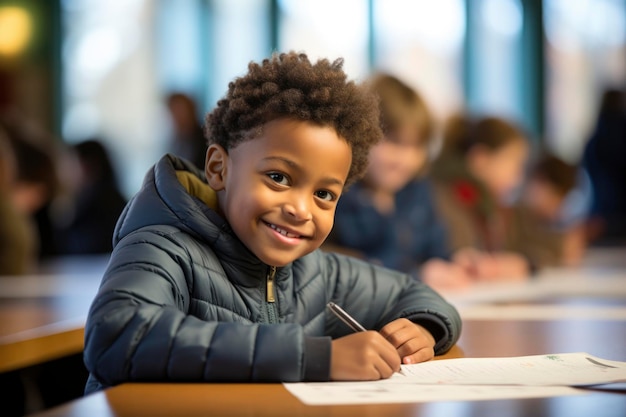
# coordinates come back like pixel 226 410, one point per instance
pixel 270 284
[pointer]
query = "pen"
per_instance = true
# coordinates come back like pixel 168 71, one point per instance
pixel 350 321
pixel 345 317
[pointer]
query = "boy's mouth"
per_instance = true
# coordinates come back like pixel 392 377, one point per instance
pixel 284 232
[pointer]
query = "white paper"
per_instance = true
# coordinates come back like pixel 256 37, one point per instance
pixel 379 392
pixel 572 369
pixel 466 379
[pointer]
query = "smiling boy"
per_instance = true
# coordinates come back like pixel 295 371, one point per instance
pixel 279 191
pixel 217 275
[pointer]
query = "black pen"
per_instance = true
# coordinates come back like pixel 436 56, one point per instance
pixel 345 317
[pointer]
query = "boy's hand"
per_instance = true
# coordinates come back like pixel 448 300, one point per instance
pixel 363 356
pixel 412 342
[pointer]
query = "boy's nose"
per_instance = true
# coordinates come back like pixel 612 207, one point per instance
pixel 298 208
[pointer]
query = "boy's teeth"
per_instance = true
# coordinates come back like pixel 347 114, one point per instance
pixel 282 232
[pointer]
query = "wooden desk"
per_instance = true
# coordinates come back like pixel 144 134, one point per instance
pixel 35 331
pixel 42 316
pixel 481 338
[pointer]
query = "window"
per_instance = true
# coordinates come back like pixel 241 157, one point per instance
pixel 586 53
pixel 109 83
pixel 329 29
pixel 495 60
pixel 421 42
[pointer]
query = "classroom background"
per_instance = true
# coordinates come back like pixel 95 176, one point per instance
pixel 84 68
pixel 120 82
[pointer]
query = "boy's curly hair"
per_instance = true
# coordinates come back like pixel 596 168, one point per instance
pixel 289 85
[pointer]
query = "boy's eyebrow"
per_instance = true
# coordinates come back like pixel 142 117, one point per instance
pixel 294 165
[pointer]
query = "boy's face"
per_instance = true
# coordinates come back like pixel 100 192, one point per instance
pixel 395 161
pixel 279 191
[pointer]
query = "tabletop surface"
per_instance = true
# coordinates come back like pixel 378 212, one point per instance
pixel 480 338
pixel 42 316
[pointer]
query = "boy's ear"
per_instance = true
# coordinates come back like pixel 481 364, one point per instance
pixel 215 166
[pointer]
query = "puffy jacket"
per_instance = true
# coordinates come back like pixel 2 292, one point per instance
pixel 183 299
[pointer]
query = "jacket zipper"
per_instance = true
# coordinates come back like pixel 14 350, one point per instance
pixel 270 284
pixel 271 300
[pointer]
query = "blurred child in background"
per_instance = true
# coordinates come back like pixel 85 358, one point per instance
pixel 33 185
pixel 554 206
pixel 97 202
pixel 187 138
pixel 603 159
pixel 389 217
pixel 18 238
pixel 480 166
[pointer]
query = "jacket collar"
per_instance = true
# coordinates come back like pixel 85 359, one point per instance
pixel 164 200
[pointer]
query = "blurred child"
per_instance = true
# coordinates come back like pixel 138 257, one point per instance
pixel 389 217
pixel 216 275
pixel 603 160
pixel 187 139
pixel 96 203
pixel 552 213
pixel 36 182
pixel 18 238
pixel 481 165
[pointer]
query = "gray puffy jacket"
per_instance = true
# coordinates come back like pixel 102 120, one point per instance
pixel 183 300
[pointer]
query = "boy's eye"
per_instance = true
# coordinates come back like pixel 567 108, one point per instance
pixel 278 178
pixel 325 195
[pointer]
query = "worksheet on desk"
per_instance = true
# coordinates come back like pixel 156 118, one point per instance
pixel 571 369
pixel 378 392
pixel 471 379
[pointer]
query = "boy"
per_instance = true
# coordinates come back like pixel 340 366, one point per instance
pixel 217 276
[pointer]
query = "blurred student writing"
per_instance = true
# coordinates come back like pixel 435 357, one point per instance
pixel 481 164
pixel 389 216
pixel 551 213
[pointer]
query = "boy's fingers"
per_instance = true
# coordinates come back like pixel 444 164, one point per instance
pixel 385 369
pixel 389 359
pixel 401 337
pixel 422 355
pixel 393 327
pixel 411 346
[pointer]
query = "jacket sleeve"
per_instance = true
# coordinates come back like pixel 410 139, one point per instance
pixel 375 296
pixel 138 328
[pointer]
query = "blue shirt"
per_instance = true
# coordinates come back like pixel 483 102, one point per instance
pixel 402 239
